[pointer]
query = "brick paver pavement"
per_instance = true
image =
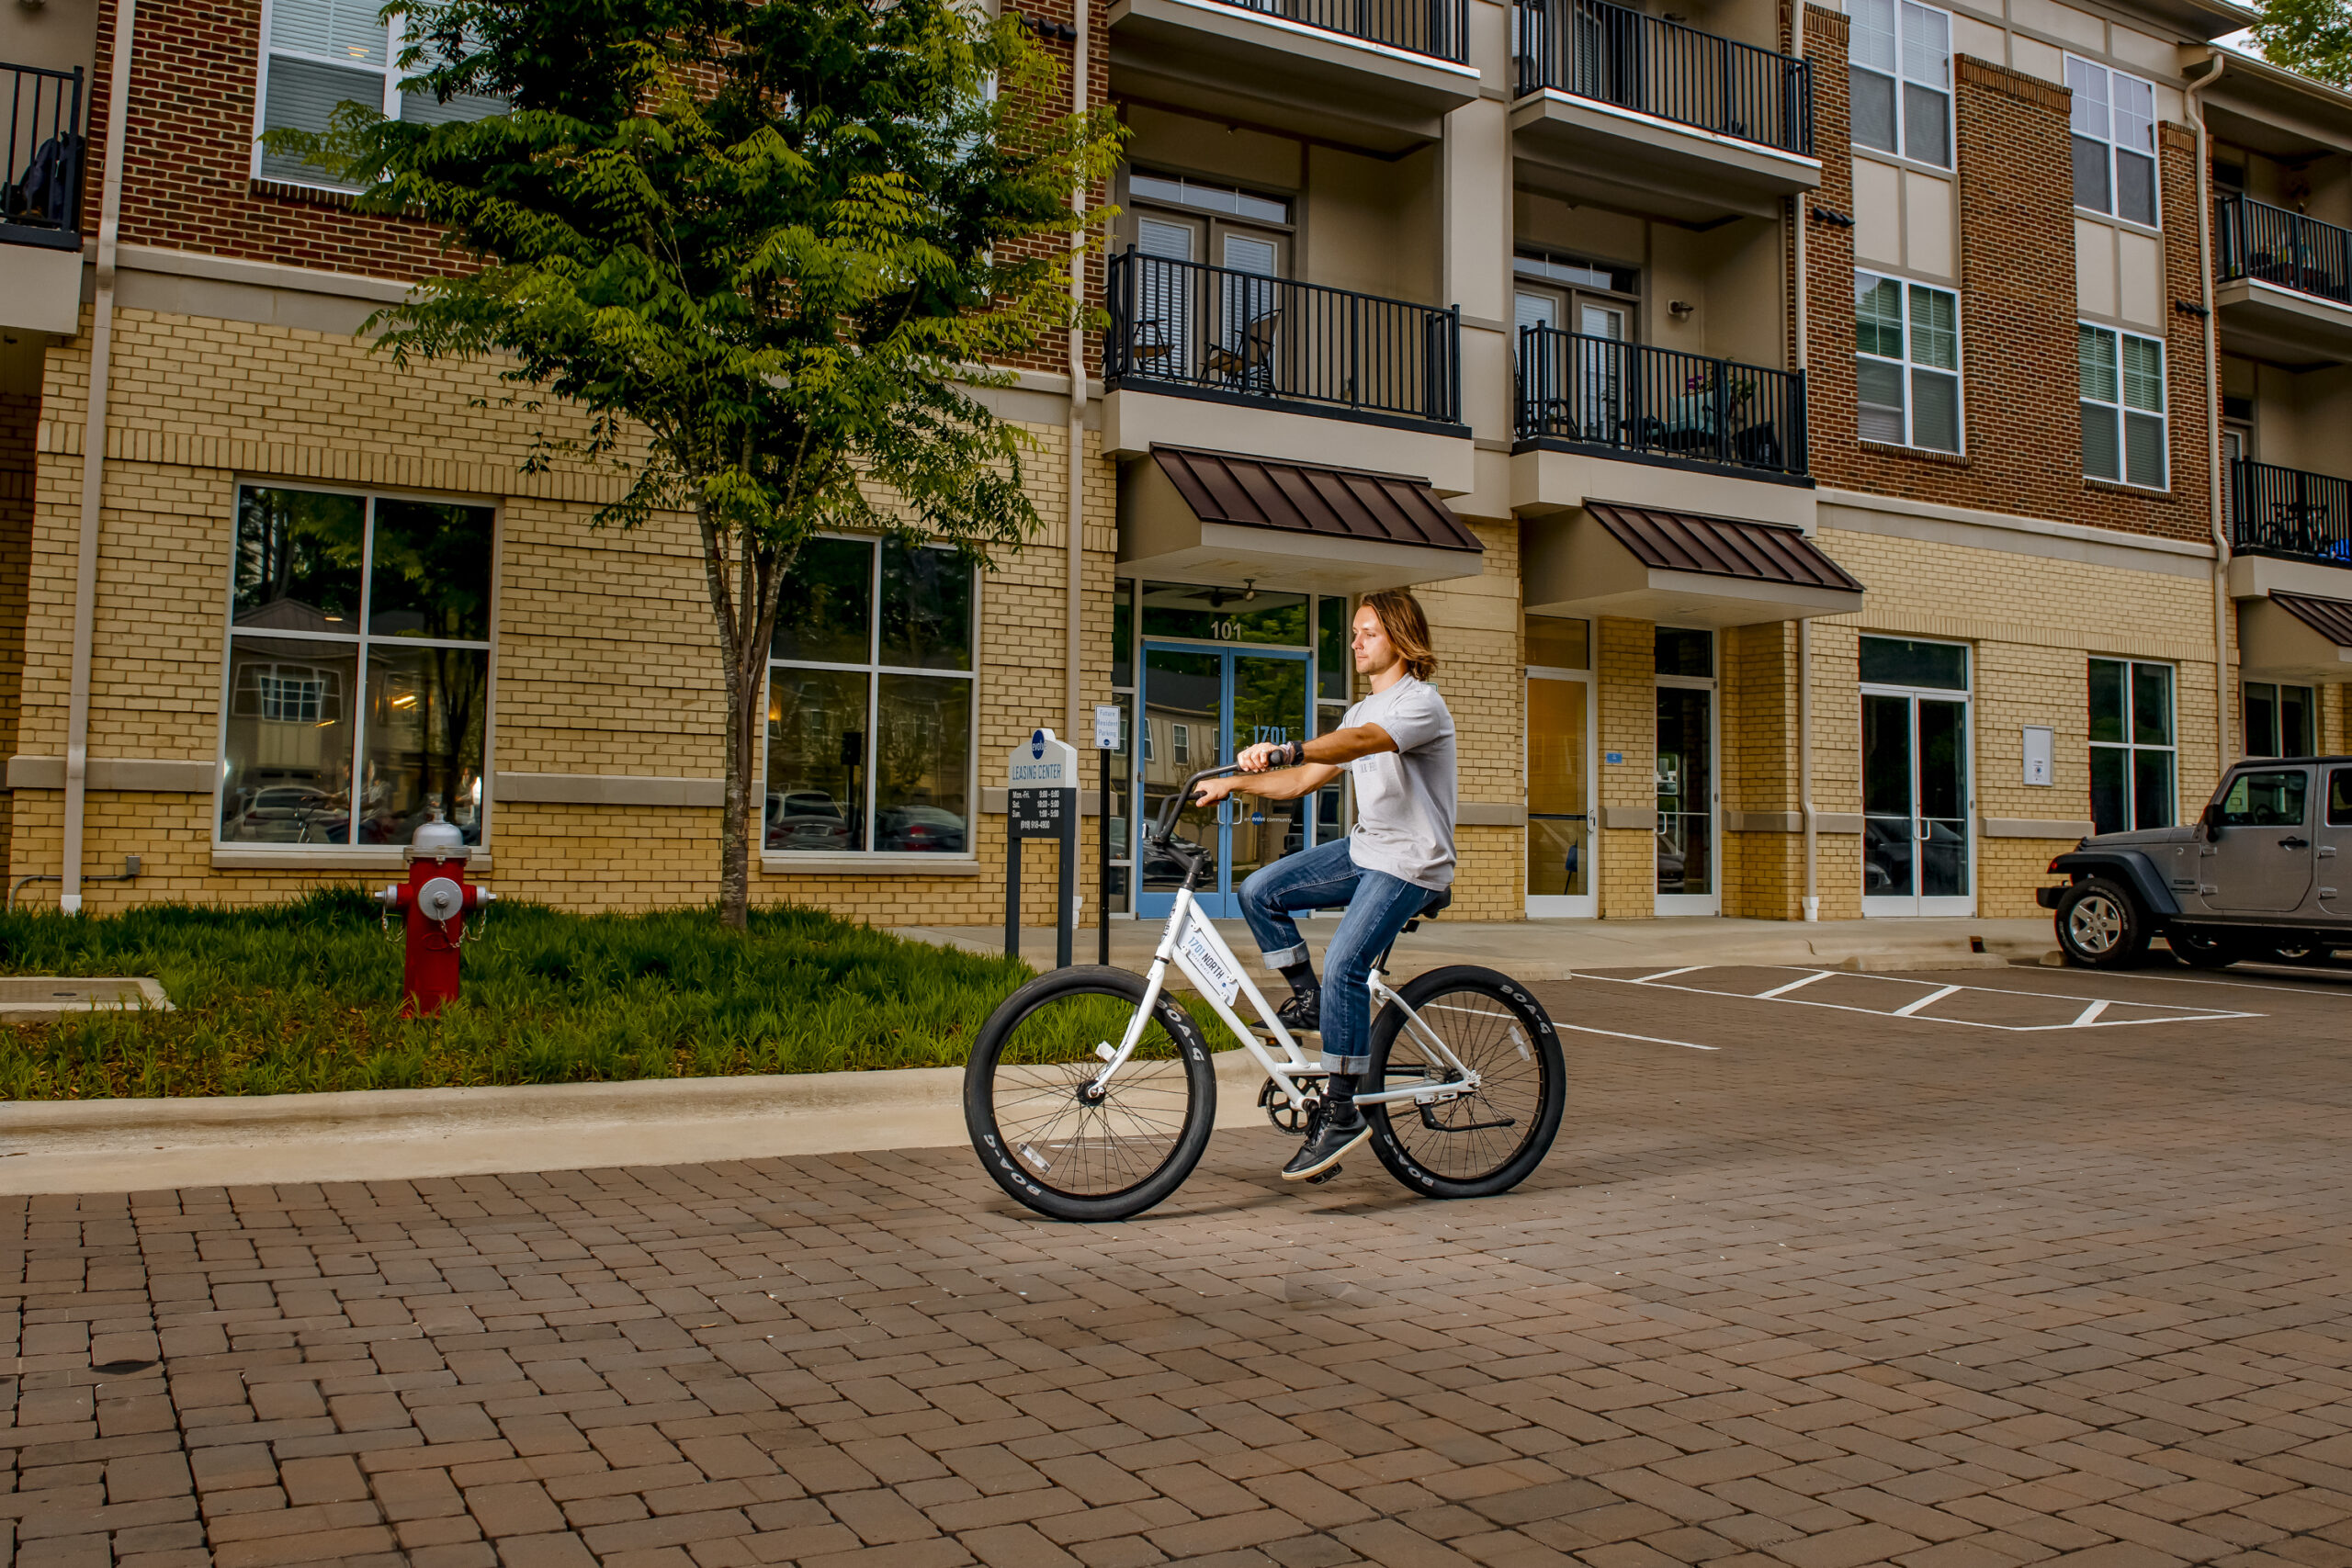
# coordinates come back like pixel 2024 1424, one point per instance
pixel 1847 1290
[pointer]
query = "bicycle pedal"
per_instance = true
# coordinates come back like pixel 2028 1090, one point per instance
pixel 1320 1180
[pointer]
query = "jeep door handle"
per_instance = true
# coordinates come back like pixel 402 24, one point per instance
pixel 2294 843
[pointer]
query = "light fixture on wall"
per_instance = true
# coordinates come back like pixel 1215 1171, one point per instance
pixel 1249 588
pixel 1681 308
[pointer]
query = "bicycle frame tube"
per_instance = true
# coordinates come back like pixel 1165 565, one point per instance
pixel 1197 949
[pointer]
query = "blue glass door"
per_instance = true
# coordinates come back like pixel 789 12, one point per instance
pixel 1201 705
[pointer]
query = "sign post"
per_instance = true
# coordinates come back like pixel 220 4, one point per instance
pixel 1106 740
pixel 1041 802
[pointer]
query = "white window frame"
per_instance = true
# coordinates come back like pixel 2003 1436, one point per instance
pixel 360 641
pixel 395 41
pixel 2123 411
pixel 2115 149
pixel 2132 745
pixel 873 669
pixel 1910 364
pixel 1901 76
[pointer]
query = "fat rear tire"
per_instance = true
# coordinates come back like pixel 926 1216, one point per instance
pixel 1513 1045
pixel 2101 926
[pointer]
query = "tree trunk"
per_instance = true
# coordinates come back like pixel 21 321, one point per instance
pixel 746 614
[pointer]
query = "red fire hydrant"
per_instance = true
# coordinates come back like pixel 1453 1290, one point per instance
pixel 433 902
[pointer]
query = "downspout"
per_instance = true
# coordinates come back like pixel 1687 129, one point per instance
pixel 94 447
pixel 1811 903
pixel 1075 587
pixel 2223 685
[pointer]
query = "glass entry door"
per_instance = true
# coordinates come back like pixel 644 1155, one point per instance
pixel 1559 797
pixel 1687 881
pixel 1917 853
pixel 1201 706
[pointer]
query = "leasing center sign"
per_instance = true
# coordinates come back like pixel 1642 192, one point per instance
pixel 1042 762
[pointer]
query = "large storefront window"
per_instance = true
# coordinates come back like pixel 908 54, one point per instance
pixel 1559 766
pixel 358 668
pixel 2132 745
pixel 870 702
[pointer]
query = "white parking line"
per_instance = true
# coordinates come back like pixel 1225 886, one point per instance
pixel 1645 1039
pixel 1908 1008
pixel 2091 1017
pixel 1793 985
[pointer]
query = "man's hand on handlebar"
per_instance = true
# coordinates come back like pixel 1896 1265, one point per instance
pixel 1269 754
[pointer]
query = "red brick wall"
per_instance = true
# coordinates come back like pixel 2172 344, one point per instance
pixel 2018 372
pixel 188 159
pixel 187 163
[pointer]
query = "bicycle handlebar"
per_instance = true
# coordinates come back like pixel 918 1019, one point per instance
pixel 1183 797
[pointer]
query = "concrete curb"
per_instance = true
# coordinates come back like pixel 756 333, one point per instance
pixel 44 999
pixel 117 1145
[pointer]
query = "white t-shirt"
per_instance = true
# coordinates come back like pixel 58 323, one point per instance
pixel 1404 797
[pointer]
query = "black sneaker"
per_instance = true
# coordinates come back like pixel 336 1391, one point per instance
pixel 1302 1014
pixel 1326 1146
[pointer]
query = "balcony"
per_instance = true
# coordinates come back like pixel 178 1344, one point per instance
pixel 2288 515
pixel 1378 74
pixel 41 198
pixel 1632 110
pixel 1626 400
pixel 1207 356
pixel 2283 284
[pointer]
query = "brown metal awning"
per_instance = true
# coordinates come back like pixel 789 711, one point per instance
pixel 2297 637
pixel 1721 546
pixel 1221 517
pixel 2331 618
pixel 1645 564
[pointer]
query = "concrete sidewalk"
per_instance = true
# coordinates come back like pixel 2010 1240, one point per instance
pixel 1552 950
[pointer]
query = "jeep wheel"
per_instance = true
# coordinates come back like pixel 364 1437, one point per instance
pixel 2099 925
pixel 2204 950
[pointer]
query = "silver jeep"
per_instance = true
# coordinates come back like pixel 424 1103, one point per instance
pixel 2261 873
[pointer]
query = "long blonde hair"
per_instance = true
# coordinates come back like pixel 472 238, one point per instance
pixel 1407 628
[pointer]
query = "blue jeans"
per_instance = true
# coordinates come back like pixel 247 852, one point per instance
pixel 1378 907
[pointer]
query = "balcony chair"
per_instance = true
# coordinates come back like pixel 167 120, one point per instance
pixel 1248 366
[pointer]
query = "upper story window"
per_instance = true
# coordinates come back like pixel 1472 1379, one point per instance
pixel 2123 406
pixel 1568 294
pixel 870 715
pixel 1195 221
pixel 1900 77
pixel 2115 142
pixel 1907 363
pixel 326 53
pixel 358 668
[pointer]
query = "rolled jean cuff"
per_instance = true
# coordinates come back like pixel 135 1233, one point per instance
pixel 1359 1065
pixel 1283 958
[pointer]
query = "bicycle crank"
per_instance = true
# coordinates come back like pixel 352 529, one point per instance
pixel 1290 1115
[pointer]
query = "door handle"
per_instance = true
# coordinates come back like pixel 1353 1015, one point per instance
pixel 2294 843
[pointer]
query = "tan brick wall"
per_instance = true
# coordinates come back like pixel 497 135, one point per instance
pixel 1475 623
pixel 1627 662
pixel 19 414
pixel 606 658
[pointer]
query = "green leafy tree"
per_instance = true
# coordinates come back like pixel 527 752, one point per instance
pixel 2313 37
pixel 757 254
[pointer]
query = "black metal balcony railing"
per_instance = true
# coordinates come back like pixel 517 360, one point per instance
pixel 1595 49
pixel 2285 512
pixel 1438 28
pixel 1240 335
pixel 1659 403
pixel 41 160
pixel 2253 239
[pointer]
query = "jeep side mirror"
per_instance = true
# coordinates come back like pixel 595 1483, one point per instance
pixel 2209 821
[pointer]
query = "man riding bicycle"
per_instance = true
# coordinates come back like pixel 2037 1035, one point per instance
pixel 1398 744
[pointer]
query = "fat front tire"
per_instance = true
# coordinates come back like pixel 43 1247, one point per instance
pixel 1056 1149
pixel 2101 926
pixel 1481 1144
pixel 2203 950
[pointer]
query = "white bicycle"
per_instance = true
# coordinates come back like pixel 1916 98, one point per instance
pixel 1089 1094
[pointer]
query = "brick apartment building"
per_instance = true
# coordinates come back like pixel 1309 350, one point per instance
pixel 1846 456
